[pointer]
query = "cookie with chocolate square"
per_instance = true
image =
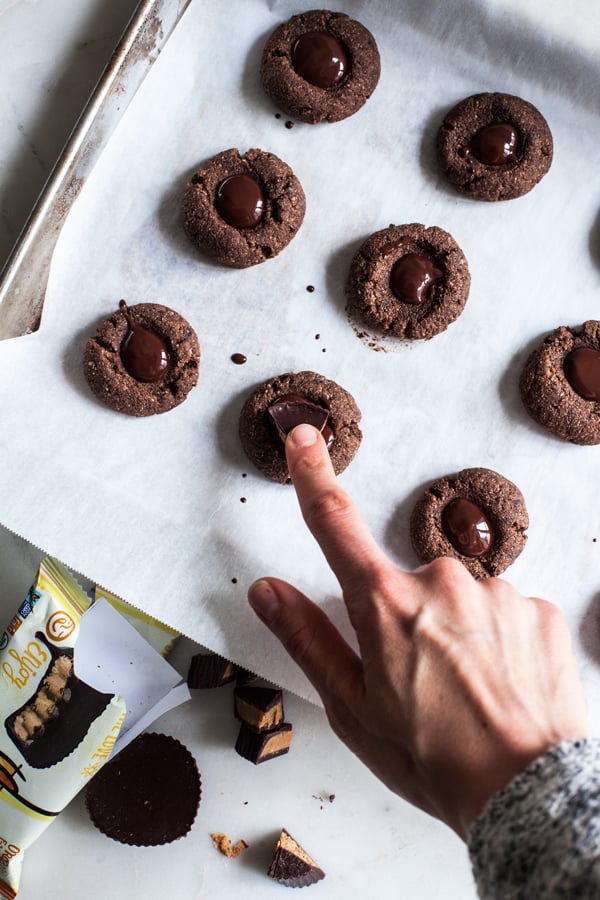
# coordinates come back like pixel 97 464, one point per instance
pixel 242 209
pixel 560 383
pixel 476 516
pixel 494 146
pixel 278 405
pixel 143 360
pixel 320 66
pixel 408 281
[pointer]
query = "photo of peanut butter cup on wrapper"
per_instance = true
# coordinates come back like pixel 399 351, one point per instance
pixel 320 66
pixel 243 209
pixel 560 383
pixel 476 516
pixel 278 405
pixel 408 282
pixel 494 146
pixel 143 360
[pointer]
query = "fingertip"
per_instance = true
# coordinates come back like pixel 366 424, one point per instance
pixel 302 435
pixel 264 600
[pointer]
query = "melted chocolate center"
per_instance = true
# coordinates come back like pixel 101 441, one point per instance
pixel 290 410
pixel 240 201
pixel 582 371
pixel 495 144
pixel 411 277
pixel 143 352
pixel 467 527
pixel 320 59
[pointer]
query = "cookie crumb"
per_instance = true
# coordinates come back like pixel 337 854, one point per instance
pixel 223 844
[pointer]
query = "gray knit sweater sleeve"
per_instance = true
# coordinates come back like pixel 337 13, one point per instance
pixel 539 837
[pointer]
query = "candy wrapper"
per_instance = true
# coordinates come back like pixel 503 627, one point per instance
pixel 75 676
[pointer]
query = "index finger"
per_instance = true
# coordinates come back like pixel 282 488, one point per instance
pixel 328 510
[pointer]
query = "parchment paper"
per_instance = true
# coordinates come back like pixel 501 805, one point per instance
pixel 151 508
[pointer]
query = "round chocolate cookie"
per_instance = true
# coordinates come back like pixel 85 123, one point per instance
pixel 148 794
pixel 144 359
pixel 320 66
pixel 408 281
pixel 560 383
pixel 281 403
pixel 476 516
pixel 494 146
pixel 243 209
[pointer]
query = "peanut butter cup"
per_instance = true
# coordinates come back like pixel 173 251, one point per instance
pixel 320 66
pixel 476 516
pixel 560 383
pixel 148 794
pixel 242 209
pixel 143 360
pixel 278 405
pixel 494 146
pixel 408 281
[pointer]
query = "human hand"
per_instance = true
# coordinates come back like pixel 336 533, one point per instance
pixel 457 685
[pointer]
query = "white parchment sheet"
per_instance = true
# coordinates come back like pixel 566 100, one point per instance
pixel 151 508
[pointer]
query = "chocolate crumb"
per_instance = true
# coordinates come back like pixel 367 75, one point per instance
pixel 289 124
pixel 243 500
pixel 234 580
pixel 310 288
pixel 317 337
pixel 239 359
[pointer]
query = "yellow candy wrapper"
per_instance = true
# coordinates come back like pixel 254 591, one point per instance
pixel 56 730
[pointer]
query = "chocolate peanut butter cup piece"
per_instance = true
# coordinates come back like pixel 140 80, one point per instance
pixel 148 794
pixel 476 516
pixel 283 402
pixel 494 146
pixel 291 864
pixel 242 209
pixel 560 383
pixel 260 708
pixel 259 746
pixel 320 66
pixel 143 360
pixel 408 281
pixel 209 670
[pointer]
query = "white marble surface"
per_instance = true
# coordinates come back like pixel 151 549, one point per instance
pixel 369 842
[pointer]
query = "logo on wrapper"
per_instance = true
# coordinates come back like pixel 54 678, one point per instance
pixel 59 626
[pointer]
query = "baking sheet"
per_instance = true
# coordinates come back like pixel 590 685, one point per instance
pixel 151 508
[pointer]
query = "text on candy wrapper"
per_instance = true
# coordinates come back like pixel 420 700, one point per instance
pixel 27 664
pixel 104 750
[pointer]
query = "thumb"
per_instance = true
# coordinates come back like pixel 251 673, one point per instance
pixel 309 636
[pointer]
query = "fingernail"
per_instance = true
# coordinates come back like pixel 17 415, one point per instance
pixel 263 599
pixel 303 436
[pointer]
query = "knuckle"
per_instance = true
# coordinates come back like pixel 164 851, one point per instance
pixel 330 506
pixel 299 641
pixel 449 572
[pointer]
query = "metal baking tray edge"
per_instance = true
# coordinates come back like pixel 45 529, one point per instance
pixel 24 278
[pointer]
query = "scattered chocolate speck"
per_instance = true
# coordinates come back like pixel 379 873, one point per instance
pixel 239 359
pixel 277 115
pixel 324 350
pixel 331 798
pixel 244 474
pixel 594 540
pixel 242 500
pixel 310 288
pixel 289 124
pixel 245 803
pixel 317 337
pixel 234 580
